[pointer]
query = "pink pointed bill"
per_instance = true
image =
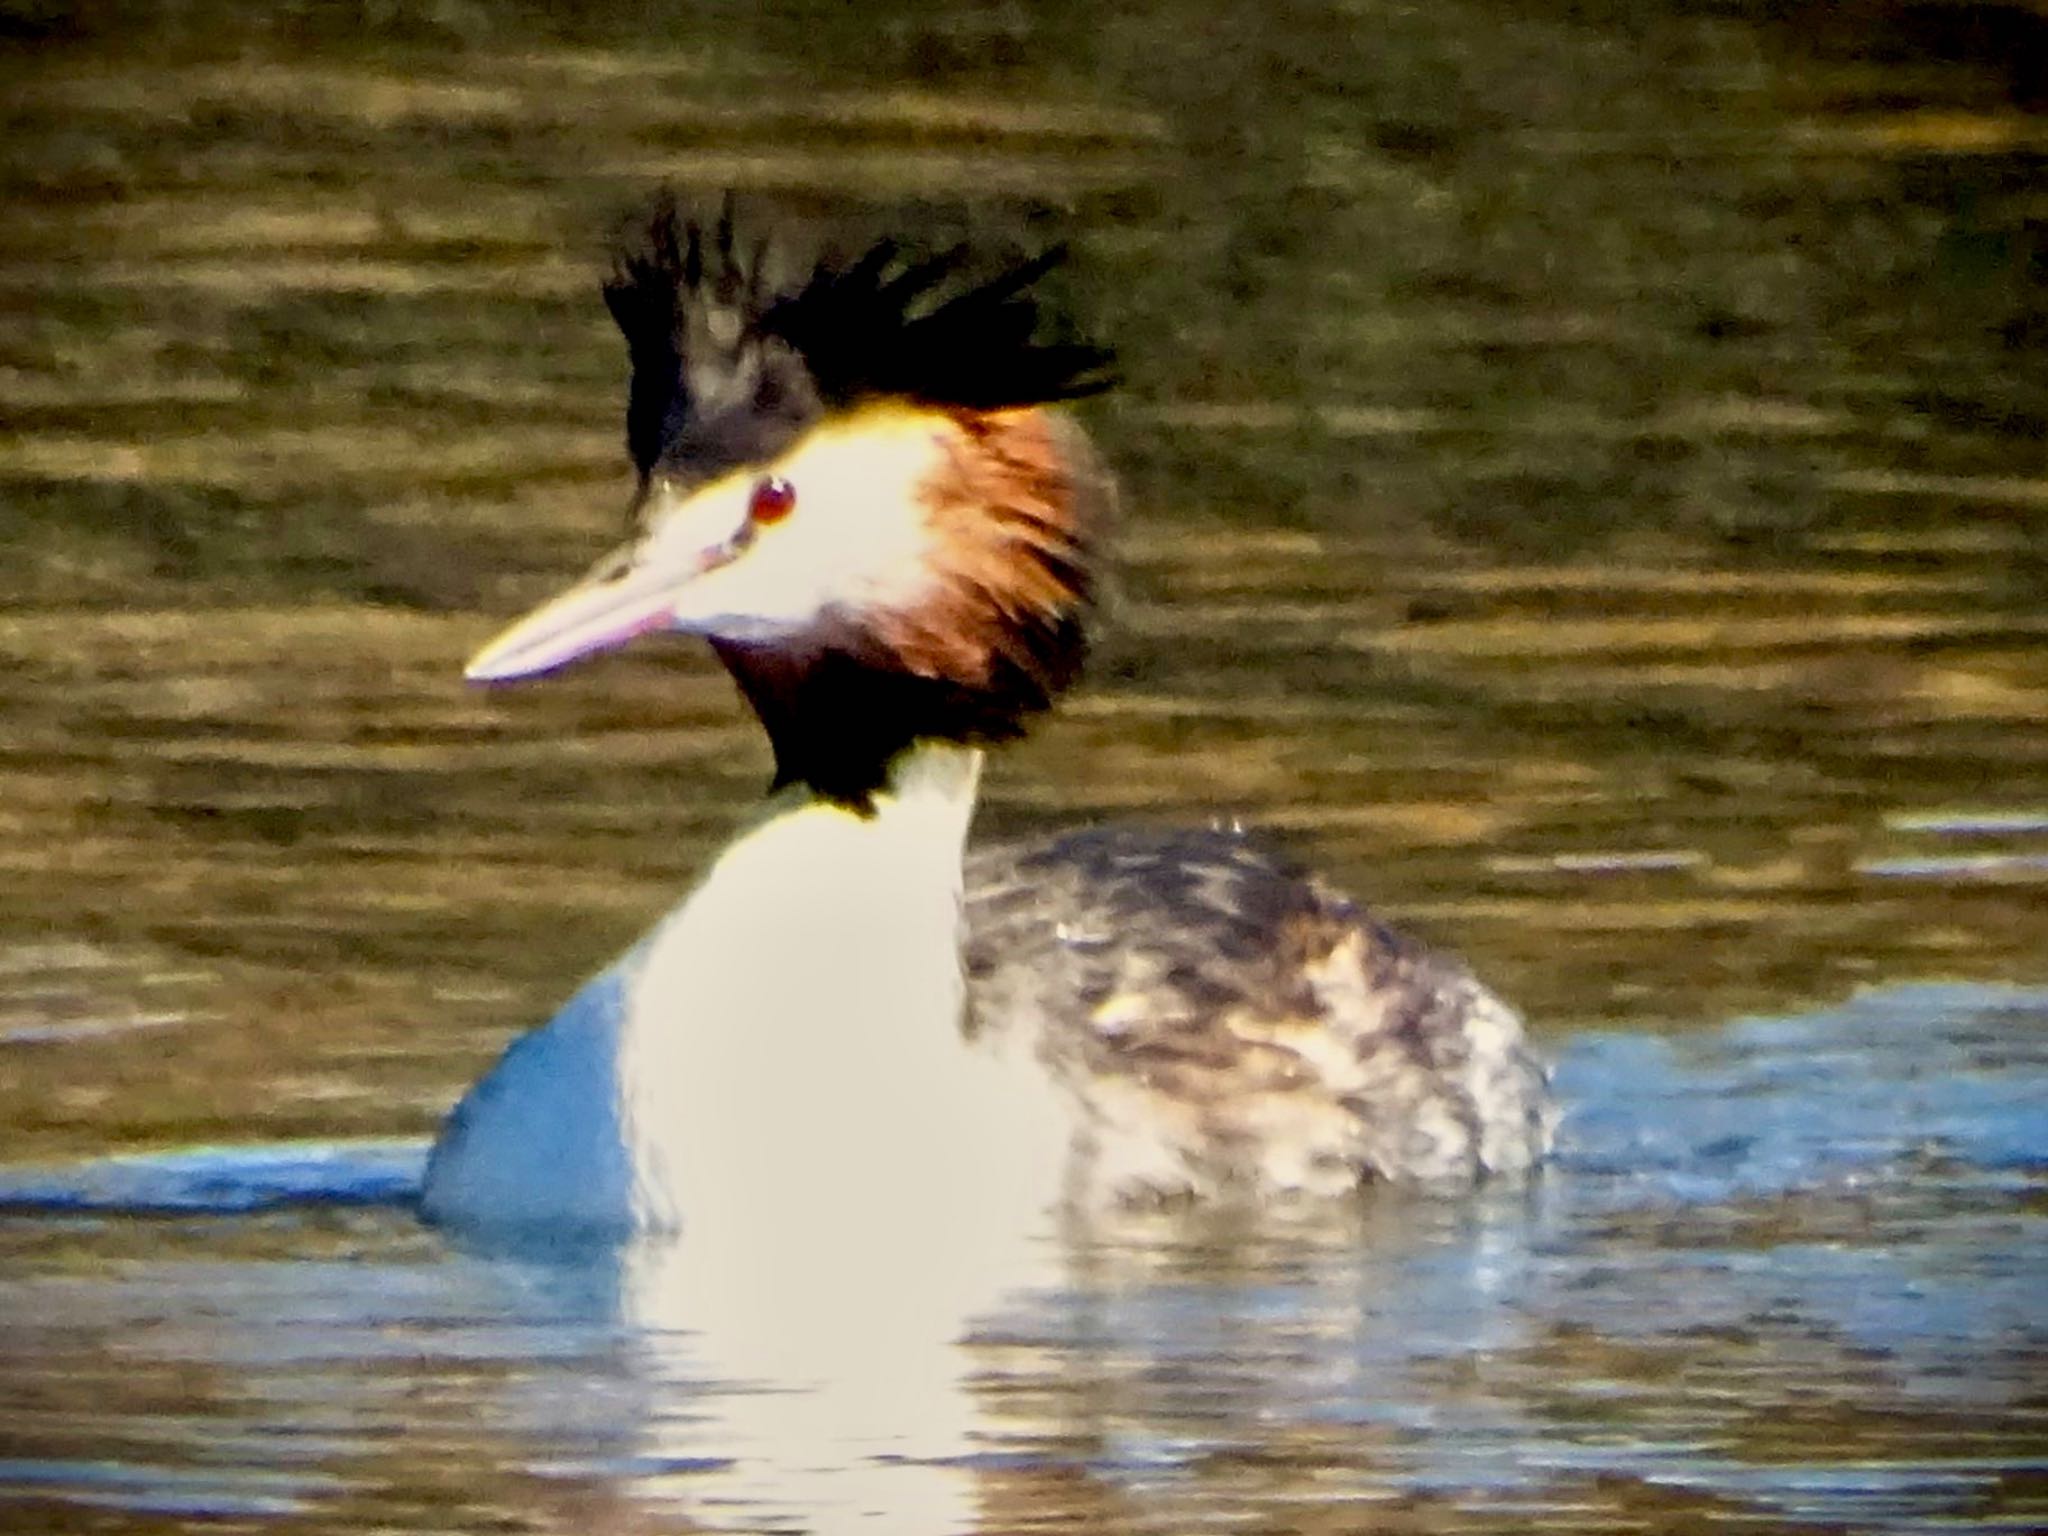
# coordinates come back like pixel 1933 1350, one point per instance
pixel 595 615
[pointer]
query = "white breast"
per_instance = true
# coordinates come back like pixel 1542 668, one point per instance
pixel 782 1052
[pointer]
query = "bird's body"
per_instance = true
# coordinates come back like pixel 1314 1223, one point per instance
pixel 856 491
pixel 1234 1027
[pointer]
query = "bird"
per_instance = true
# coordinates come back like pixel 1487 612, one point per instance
pixel 866 488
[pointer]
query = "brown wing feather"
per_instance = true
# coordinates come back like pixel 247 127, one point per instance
pixel 1230 1022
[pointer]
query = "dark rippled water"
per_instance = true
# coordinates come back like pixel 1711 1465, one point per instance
pixel 1584 483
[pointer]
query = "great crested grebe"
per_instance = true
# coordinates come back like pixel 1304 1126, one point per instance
pixel 858 489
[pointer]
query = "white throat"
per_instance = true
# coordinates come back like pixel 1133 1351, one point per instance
pixel 778 1070
pixel 811 980
pixel 782 1052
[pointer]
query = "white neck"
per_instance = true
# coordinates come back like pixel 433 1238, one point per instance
pixel 778 1070
pixel 858 1183
pixel 781 1056
pixel 808 988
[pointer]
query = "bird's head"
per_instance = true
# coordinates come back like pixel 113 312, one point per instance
pixel 852 486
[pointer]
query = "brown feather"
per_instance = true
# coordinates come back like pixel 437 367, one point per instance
pixel 1015 505
pixel 1011 512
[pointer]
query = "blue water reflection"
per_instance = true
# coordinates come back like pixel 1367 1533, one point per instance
pixel 1832 1218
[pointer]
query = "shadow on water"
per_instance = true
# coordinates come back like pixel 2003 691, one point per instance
pixel 1584 481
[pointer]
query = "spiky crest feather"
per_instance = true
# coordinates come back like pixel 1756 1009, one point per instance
pixel 728 367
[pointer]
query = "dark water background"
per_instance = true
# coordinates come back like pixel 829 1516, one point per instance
pixel 1585 483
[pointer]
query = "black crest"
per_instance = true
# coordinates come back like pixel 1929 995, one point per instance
pixel 729 368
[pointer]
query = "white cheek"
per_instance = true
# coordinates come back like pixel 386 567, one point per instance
pixel 857 540
pixel 866 545
pixel 778 587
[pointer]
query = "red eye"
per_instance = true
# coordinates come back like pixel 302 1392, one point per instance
pixel 774 499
